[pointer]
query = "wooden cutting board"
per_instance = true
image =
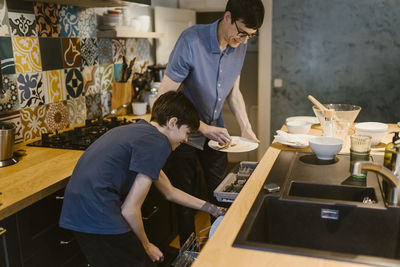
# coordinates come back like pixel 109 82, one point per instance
pixel 121 94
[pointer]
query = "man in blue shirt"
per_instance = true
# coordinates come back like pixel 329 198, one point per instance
pixel 103 199
pixel 205 64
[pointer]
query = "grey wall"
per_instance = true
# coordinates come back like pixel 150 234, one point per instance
pixel 339 51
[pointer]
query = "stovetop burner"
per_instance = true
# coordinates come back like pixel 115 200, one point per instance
pixel 81 137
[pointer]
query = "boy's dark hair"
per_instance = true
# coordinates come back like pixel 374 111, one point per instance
pixel 175 104
pixel 250 11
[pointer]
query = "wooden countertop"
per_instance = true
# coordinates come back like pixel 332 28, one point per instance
pixel 218 251
pixel 41 172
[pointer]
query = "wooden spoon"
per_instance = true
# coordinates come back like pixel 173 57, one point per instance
pixel 328 113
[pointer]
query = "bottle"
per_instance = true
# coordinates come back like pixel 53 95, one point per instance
pixel 330 123
pixel 390 147
pixel 152 97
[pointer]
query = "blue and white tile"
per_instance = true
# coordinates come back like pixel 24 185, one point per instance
pixel 68 17
pixel 105 51
pixel 31 89
pixel 141 49
pixel 74 83
pixel 106 102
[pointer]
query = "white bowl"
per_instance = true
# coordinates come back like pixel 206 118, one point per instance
pixel 376 130
pixel 325 147
pixel 139 108
pixel 298 127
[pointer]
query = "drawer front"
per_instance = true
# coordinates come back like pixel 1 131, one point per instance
pixel 12 243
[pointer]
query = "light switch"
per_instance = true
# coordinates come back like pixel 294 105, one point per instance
pixel 278 83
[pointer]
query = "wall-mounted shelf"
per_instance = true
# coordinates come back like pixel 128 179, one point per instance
pixel 96 3
pixel 126 32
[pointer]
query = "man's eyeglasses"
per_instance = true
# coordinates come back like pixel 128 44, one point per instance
pixel 243 34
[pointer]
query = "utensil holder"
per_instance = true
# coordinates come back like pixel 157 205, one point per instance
pixel 121 94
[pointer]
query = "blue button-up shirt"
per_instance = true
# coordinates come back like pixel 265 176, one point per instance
pixel 207 74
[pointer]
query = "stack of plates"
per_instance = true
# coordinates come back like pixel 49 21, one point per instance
pixel 112 19
pixel 309 119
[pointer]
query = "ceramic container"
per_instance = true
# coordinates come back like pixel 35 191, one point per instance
pixel 376 130
pixel 298 127
pixel 139 108
pixel 326 148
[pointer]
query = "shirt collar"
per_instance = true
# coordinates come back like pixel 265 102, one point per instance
pixel 214 45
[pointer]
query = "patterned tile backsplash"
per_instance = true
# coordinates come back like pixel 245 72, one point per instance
pixel 56 72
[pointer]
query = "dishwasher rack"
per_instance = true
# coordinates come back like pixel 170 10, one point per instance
pixel 191 248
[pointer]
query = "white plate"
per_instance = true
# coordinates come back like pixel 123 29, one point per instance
pixel 310 119
pixel 215 225
pixel 242 145
pixel 295 145
pixel 398 124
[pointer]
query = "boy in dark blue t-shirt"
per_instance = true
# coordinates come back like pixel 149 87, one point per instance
pixel 103 199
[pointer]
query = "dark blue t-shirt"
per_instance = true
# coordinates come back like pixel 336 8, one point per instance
pixel 105 173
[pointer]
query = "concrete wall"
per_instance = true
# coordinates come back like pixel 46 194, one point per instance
pixel 339 51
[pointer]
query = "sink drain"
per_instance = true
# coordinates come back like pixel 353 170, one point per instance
pixel 312 159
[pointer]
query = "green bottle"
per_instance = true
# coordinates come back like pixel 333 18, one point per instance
pixel 390 147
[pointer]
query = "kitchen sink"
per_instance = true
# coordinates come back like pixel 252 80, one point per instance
pixel 337 192
pixel 315 214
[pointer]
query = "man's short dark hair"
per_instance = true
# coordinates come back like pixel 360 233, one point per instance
pixel 175 104
pixel 250 11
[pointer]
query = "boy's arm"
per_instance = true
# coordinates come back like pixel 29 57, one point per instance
pixel 238 108
pixel 131 211
pixel 175 195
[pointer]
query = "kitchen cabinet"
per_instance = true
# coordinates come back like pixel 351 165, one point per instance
pixel 12 243
pixel 172 22
pixel 97 3
pixel 34 238
pixel 203 6
pixel 126 32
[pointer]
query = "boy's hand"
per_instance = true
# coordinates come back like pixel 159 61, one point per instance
pixel 213 210
pixel 154 253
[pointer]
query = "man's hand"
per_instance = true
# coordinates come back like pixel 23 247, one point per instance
pixel 217 134
pixel 249 134
pixel 154 253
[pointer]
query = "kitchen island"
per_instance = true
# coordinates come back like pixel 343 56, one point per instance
pixel 42 172
pixel 219 251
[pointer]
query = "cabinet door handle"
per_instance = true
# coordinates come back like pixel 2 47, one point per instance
pixel 152 213
pixel 60 198
pixel 2 231
pixel 62 242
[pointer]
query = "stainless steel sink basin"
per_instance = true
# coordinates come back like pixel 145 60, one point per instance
pixel 316 215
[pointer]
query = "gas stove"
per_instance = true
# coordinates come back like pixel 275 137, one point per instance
pixel 80 137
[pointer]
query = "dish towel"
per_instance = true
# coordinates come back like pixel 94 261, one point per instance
pixel 284 137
